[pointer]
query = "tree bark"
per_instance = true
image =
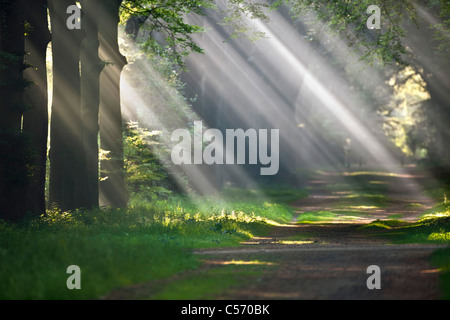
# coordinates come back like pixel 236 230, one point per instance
pixel 35 120
pixel 91 67
pixel 112 185
pixel 13 146
pixel 66 152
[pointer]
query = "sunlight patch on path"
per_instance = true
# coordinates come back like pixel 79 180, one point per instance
pixel 353 197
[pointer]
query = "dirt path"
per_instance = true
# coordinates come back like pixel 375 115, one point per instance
pixel 327 260
pixel 330 261
pixel 333 266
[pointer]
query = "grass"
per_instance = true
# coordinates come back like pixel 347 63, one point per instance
pixel 120 247
pixel 441 260
pixel 322 216
pixel 34 264
pixel 211 281
pixel 432 228
pixel 384 224
pixel 279 194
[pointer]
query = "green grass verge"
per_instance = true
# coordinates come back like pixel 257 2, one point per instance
pixel 432 228
pixel 120 247
pixel 210 282
pixel 384 224
pixel 441 260
pixel 34 264
pixel 324 216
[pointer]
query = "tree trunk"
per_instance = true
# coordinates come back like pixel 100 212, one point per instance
pixel 91 67
pixel 66 152
pixel 112 185
pixel 35 120
pixel 13 146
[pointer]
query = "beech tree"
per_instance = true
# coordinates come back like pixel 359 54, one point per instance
pixel 14 153
pixel 91 67
pixel 35 119
pixel 66 153
pixel 87 66
pixel 112 185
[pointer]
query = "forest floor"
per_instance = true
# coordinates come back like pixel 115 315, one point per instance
pixel 320 259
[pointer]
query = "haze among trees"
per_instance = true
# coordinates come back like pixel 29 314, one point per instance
pixel 410 49
pixel 348 101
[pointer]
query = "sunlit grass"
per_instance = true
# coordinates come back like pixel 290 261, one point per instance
pixel 278 194
pixel 246 262
pixel 322 216
pixel 373 173
pixel 440 236
pixel 432 228
pixel 120 247
pixel 363 207
pixel 34 261
pixel 384 224
pixel 414 205
pixel 294 242
pixel 377 182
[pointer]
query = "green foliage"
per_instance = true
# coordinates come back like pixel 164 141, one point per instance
pixel 16 155
pixel 274 194
pixel 7 59
pixel 347 19
pixel 145 174
pixel 442 29
pixel 237 13
pixel 383 224
pixel 441 259
pixel 232 204
pixel 208 282
pixel 325 216
pixel 35 259
pixel 167 18
pixel 120 247
pixel 405 115
pixel 433 227
pixel 154 74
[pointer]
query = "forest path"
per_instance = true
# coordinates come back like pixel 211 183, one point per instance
pixel 326 259
pixel 329 259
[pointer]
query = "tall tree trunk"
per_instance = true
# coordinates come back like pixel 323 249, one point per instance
pixel 66 152
pixel 35 120
pixel 91 67
pixel 112 185
pixel 13 150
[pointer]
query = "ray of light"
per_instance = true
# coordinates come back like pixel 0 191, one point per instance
pixel 267 84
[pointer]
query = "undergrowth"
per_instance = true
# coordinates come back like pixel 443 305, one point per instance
pixel 432 228
pixel 118 247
